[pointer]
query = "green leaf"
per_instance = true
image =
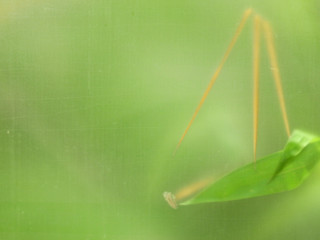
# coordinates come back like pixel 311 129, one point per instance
pixel 296 143
pixel 287 169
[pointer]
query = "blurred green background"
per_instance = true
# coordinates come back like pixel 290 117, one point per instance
pixel 96 94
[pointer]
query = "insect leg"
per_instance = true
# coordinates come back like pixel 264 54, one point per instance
pixel 276 72
pixel 256 61
pixel 216 74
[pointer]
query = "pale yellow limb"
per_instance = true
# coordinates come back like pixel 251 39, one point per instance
pixel 276 72
pixel 256 61
pixel 216 74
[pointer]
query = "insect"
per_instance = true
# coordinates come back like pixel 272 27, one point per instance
pixel 278 172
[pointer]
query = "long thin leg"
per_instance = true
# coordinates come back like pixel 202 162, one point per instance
pixel 256 61
pixel 275 72
pixel 216 74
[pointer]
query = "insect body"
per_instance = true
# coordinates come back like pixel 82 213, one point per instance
pixel 278 172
